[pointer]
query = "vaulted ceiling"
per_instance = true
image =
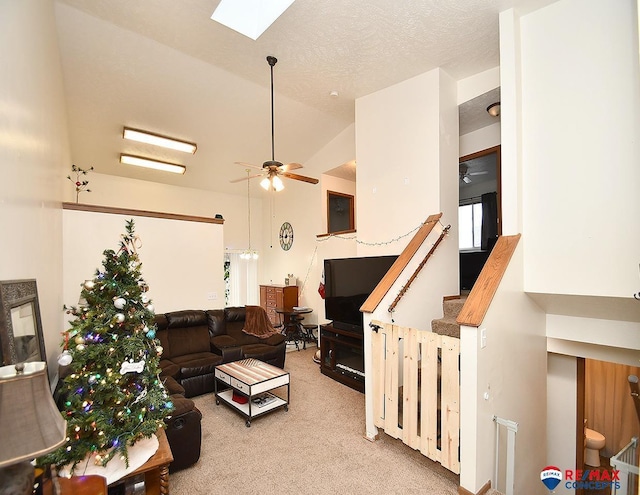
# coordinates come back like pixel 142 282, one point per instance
pixel 165 66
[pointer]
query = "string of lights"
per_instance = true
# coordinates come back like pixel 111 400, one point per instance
pixel 365 243
pixel 379 243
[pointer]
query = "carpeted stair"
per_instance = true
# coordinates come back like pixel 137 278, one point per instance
pixel 447 325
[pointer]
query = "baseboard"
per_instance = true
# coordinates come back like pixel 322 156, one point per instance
pixel 483 490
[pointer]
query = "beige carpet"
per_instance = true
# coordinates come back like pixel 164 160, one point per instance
pixel 317 447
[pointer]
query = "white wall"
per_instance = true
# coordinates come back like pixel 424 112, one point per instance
pixel 407 153
pixel 580 147
pixel 121 192
pixel 512 371
pixel 300 204
pixel 34 153
pixel 182 261
pixel 562 404
pixel 480 140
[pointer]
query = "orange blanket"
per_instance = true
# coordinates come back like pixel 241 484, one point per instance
pixel 257 323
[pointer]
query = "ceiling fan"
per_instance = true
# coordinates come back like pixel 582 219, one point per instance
pixel 271 170
pixel 465 175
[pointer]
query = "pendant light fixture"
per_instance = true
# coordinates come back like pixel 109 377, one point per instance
pixel 248 253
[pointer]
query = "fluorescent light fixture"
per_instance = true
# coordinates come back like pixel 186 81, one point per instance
pixel 249 17
pixel 158 140
pixel 140 161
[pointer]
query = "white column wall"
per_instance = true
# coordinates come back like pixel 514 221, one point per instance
pixel 34 152
pixel 512 371
pixel 580 147
pixel 407 154
pixel 562 404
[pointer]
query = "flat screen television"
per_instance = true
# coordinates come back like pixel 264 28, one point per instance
pixel 348 283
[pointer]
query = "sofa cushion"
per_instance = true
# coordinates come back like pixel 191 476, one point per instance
pixel 275 339
pixel 172 386
pixel 181 405
pixel 235 313
pixel 224 341
pixel 198 364
pixel 169 368
pixel 186 318
pixel 217 323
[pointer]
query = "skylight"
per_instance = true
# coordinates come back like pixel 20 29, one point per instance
pixel 249 17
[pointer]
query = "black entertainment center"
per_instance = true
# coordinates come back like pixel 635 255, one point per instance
pixel 348 283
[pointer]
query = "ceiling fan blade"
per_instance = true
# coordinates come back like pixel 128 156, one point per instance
pixel 244 164
pixel 290 166
pixel 478 173
pixel 246 178
pixel 466 179
pixel 303 178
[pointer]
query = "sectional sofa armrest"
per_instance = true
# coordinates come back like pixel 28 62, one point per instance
pixel 230 354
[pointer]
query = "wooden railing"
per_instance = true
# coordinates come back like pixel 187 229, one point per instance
pixel 481 295
pixel 400 264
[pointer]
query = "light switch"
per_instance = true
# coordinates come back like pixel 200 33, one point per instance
pixel 483 338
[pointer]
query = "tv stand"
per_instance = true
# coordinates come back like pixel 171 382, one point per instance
pixel 342 356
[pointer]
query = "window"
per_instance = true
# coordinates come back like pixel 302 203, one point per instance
pixel 340 215
pixel 470 225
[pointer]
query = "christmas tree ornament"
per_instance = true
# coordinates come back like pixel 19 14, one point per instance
pixel 119 302
pixel 151 333
pixel 89 284
pixel 80 347
pixel 150 307
pixel 144 298
pixel 119 317
pixel 65 358
pixel 159 350
pixel 79 339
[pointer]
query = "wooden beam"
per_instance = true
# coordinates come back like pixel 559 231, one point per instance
pixel 139 213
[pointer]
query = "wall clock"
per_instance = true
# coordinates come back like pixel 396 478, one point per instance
pixel 286 236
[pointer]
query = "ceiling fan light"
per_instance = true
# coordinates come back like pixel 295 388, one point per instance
pixel 277 183
pixel 265 183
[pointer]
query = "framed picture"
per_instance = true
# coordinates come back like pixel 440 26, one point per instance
pixel 340 212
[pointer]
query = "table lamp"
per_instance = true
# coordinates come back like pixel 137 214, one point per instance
pixel 30 424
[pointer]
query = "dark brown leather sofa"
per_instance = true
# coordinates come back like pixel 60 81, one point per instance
pixel 228 339
pixel 194 342
pixel 184 430
pixel 187 355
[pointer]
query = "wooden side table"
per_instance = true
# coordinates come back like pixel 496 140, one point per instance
pixel 78 485
pixel 155 470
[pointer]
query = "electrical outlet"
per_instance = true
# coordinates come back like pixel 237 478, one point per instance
pixel 212 296
pixel 483 338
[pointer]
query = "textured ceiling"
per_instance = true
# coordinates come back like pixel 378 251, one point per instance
pixel 165 66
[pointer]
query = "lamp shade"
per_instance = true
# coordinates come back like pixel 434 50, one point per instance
pixel 30 423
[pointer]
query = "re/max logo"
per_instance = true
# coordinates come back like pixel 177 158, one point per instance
pixel 591 475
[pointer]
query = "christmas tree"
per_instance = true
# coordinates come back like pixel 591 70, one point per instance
pixel 113 395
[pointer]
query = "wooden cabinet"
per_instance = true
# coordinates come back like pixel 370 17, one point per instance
pixel 278 296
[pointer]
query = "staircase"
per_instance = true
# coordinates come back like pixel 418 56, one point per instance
pixel 447 325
